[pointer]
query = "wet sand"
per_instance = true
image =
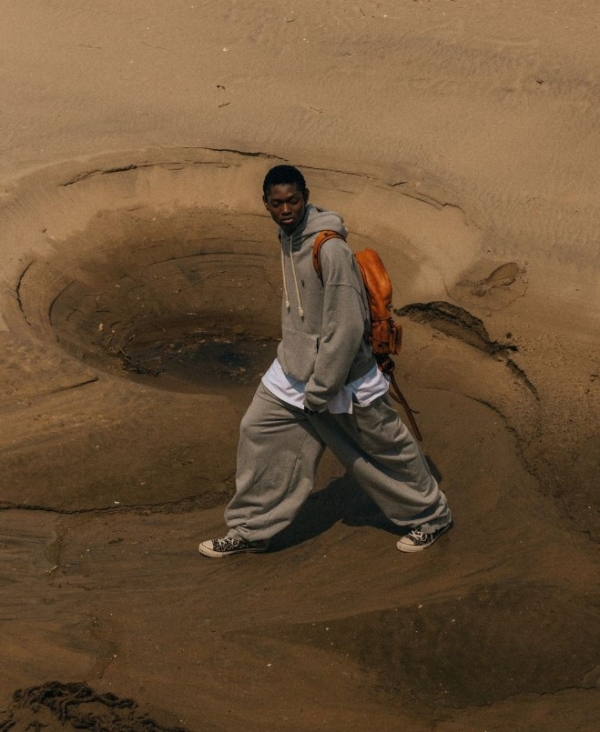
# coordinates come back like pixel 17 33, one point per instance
pixel 140 305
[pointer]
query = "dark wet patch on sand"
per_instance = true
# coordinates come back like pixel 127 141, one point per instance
pixel 492 644
pixel 458 323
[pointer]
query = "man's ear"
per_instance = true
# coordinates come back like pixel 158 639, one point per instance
pixel 265 202
pixel 306 195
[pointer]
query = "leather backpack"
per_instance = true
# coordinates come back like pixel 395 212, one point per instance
pixel 385 335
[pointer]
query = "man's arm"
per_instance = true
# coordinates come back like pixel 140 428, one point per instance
pixel 343 324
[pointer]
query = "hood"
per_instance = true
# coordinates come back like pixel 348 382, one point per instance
pixel 315 220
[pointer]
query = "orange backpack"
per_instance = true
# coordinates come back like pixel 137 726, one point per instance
pixel 385 336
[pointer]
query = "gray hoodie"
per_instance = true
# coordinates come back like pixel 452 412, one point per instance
pixel 323 324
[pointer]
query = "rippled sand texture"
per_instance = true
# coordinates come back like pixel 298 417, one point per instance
pixel 140 304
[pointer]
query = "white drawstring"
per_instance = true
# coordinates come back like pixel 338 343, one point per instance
pixel 285 288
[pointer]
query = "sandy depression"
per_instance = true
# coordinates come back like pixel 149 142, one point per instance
pixel 139 306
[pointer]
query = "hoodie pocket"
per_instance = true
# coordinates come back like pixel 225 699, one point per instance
pixel 298 353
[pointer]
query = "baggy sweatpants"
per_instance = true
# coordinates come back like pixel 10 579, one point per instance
pixel 280 448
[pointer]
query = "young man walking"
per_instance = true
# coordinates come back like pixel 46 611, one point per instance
pixel 324 389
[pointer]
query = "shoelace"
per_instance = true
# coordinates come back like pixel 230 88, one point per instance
pixel 418 535
pixel 228 542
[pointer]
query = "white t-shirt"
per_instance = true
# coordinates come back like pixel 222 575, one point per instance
pixel 366 389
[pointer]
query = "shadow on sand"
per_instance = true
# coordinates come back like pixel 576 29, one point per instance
pixel 341 500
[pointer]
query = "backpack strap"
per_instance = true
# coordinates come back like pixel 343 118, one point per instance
pixel 387 366
pixel 320 239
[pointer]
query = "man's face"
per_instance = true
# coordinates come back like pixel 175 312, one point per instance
pixel 286 204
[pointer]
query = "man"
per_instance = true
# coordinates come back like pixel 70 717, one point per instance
pixel 324 389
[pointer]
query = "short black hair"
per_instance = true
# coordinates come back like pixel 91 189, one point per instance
pixel 282 175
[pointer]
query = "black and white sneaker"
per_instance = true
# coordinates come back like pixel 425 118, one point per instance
pixel 417 540
pixel 228 545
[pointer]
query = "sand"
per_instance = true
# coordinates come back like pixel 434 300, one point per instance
pixel 139 306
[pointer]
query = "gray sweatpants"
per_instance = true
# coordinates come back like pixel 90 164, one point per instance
pixel 280 448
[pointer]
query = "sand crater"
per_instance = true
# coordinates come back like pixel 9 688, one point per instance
pixel 162 268
pixel 171 269
pixel 191 296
